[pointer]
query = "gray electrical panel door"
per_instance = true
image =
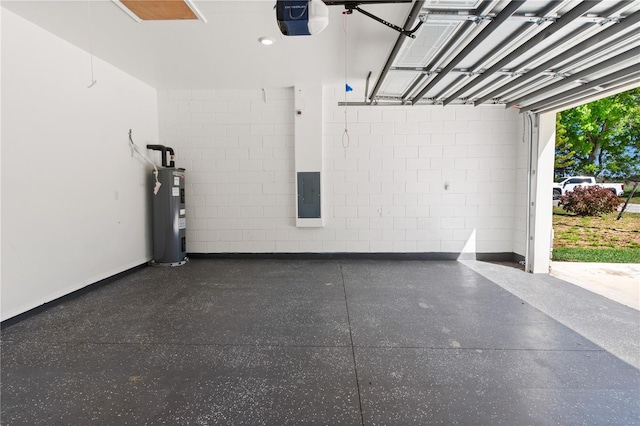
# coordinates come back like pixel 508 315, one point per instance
pixel 169 221
pixel 308 195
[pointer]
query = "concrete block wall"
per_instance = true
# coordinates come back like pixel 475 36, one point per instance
pixel 412 179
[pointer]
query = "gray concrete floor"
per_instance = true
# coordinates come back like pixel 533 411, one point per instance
pixel 353 342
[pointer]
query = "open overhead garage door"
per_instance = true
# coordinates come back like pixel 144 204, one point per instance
pixel 533 55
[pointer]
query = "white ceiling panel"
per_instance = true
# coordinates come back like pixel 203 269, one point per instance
pixel 417 52
pixel 397 82
pixel 453 4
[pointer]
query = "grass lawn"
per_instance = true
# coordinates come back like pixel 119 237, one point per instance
pixel 596 239
pixel 597 255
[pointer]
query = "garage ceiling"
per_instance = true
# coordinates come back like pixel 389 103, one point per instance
pixel 535 55
pixel 222 50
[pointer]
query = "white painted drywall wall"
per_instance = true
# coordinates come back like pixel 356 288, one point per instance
pixel 414 179
pixel 74 200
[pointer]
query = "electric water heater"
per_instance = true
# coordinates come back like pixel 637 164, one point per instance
pixel 169 217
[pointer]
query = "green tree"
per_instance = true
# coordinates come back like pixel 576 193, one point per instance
pixel 565 156
pixel 604 136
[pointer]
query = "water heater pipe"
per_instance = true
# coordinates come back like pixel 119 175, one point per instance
pixel 164 150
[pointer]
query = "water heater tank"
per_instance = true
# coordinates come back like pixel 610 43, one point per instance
pixel 169 216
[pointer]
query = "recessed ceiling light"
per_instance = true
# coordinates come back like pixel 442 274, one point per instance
pixel 267 41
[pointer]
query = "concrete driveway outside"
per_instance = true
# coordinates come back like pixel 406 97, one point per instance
pixel 617 281
pixel 631 208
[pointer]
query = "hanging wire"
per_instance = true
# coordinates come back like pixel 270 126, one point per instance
pixel 134 148
pixel 93 81
pixel 345 135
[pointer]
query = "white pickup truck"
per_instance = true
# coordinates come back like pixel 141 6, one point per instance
pixel 570 183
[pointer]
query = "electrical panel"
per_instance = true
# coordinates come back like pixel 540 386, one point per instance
pixel 308 195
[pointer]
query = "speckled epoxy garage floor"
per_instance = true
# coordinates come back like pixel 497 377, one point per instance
pixel 336 342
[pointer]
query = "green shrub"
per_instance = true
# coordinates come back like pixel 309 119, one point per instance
pixel 590 201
